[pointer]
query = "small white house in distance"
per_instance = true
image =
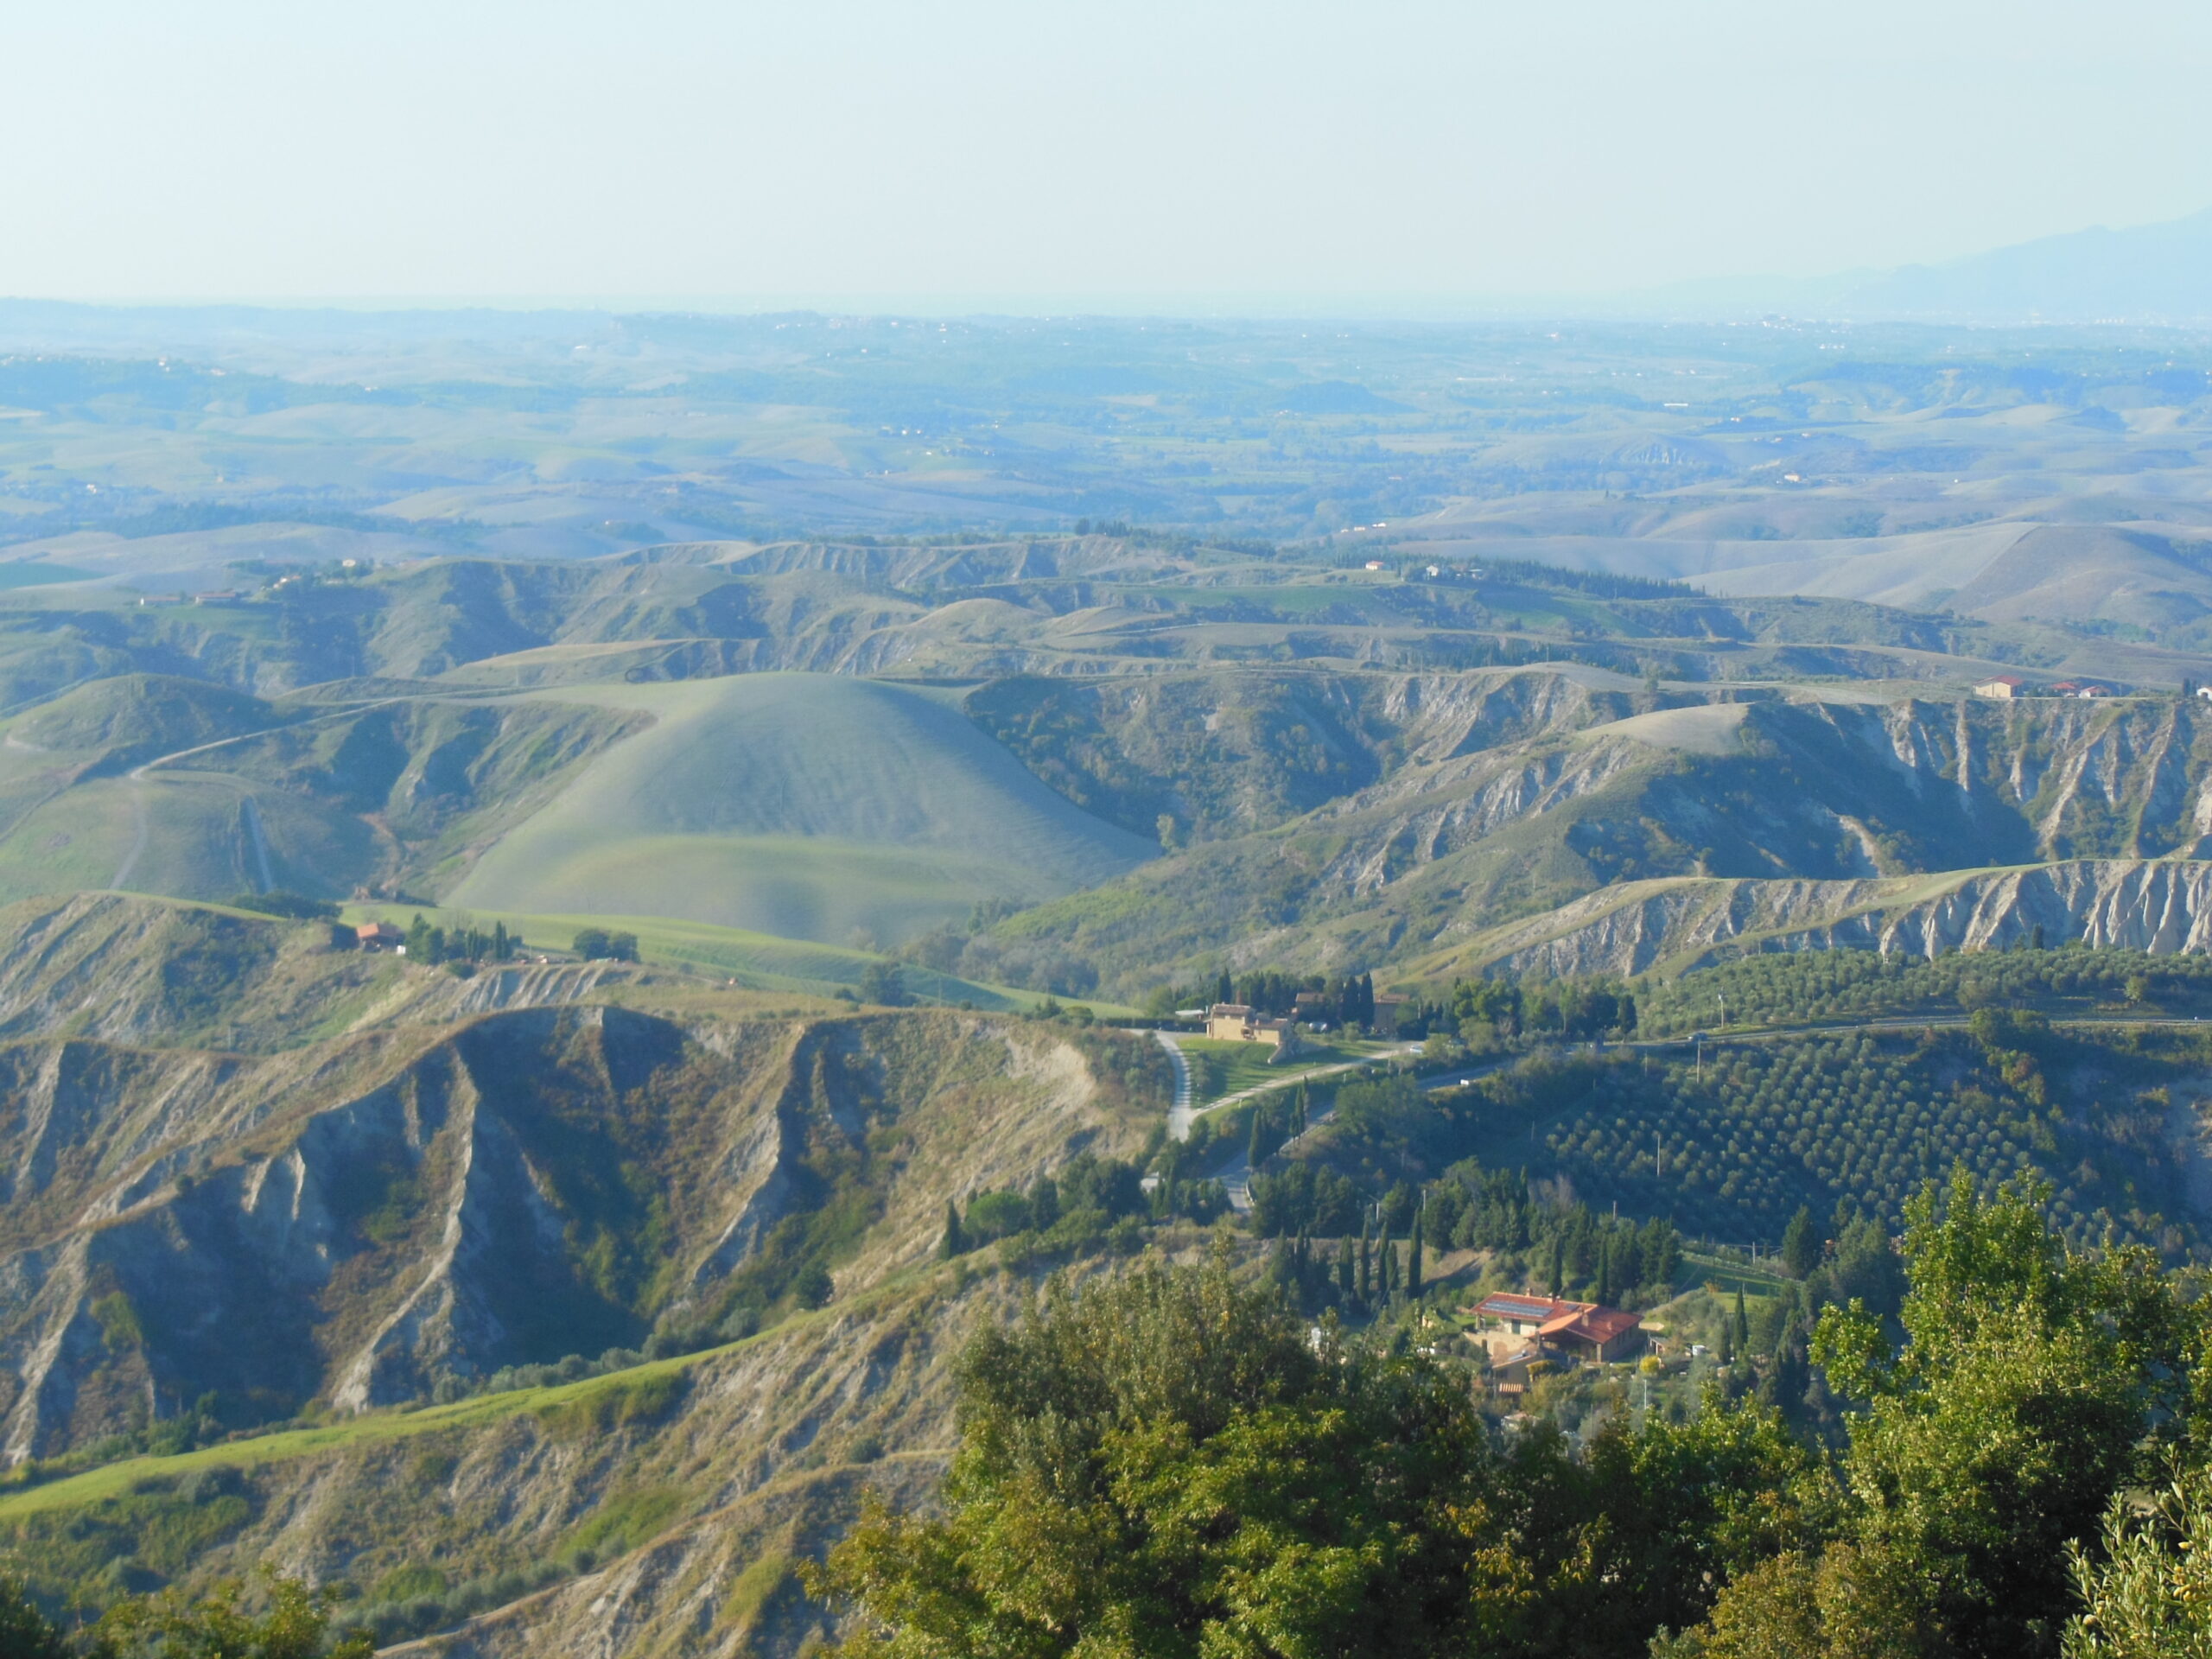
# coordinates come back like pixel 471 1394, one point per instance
pixel 1372 564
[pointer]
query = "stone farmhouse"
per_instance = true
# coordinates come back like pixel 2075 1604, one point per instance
pixel 1233 1022
pixel 1572 1330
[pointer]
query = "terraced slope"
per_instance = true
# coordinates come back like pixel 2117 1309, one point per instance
pixel 803 806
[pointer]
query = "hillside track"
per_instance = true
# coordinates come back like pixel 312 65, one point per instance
pixel 143 831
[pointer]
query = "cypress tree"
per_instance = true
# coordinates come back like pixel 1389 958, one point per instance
pixel 1298 1109
pixel 1743 1324
pixel 1413 1260
pixel 1222 990
pixel 955 1242
pixel 1558 1264
pixel 1389 1284
pixel 1366 1264
pixel 1347 1283
pixel 1256 1148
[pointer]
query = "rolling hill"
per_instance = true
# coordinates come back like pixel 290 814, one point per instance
pixel 808 806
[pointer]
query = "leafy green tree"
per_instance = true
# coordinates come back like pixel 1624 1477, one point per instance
pixel 1168 1467
pixel 296 1624
pixel 1867 1270
pixel 25 1632
pixel 1693 1506
pixel 592 943
pixel 1044 1203
pixel 1800 1246
pixel 2002 1428
pixel 2145 1591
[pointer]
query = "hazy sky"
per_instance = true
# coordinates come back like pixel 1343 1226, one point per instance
pixel 1216 155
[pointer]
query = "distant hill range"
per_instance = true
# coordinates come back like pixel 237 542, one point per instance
pixel 2145 274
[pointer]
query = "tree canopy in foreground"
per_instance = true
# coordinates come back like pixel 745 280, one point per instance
pixel 1165 1464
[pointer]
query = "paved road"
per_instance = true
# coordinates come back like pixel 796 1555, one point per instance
pixel 1313 1075
pixel 1179 1115
pixel 1237 1178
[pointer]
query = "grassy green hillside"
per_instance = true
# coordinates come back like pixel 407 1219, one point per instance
pixel 140 715
pixel 757 961
pixel 803 806
pixel 180 787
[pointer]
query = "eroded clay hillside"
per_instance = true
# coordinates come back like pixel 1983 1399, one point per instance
pixel 356 1223
pixel 146 973
pixel 380 1180
pixel 1443 847
pixel 1673 925
pixel 415 1188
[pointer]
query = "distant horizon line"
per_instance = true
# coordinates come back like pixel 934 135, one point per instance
pixel 1726 298
pixel 1160 302
pixel 1316 310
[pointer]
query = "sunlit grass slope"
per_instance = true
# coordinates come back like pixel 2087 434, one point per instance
pixel 806 806
pixel 758 961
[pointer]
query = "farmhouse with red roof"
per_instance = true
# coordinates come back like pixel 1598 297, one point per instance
pixel 1582 1329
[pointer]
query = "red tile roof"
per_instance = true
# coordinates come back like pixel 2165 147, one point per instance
pixel 1600 1325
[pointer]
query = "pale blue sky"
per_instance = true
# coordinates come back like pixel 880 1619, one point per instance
pixel 1042 152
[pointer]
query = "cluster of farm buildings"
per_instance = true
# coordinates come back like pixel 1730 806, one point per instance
pixel 2005 687
pixel 1526 1330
